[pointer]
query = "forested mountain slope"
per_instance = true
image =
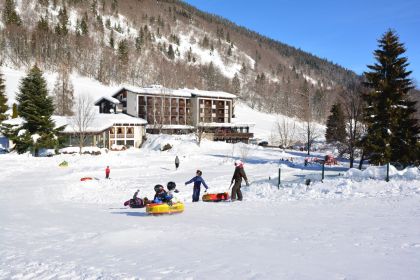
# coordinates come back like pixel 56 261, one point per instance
pixel 169 42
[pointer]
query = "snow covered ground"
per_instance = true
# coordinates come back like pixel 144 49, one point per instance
pixel 353 226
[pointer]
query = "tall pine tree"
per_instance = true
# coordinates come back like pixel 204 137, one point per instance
pixel 3 99
pixel 389 114
pixel 336 125
pixel 10 16
pixel 36 108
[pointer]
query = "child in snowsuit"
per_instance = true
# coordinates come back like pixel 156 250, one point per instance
pixel 107 171
pixel 136 202
pixel 172 191
pixel 237 178
pixel 197 184
pixel 161 195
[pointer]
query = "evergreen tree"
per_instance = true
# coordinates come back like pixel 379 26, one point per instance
pixel 36 108
pixel 3 99
pixel 336 125
pixel 228 37
pixel 84 27
pixel 206 42
pixel 10 15
pixel 170 52
pixel 229 51
pixel 389 114
pixel 42 25
pixel 123 51
pixel 236 85
pixel 139 40
pixel 210 76
pixel 63 93
pixel 63 20
pixel 111 40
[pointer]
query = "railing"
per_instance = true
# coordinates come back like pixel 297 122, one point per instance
pixel 129 136
pixel 233 135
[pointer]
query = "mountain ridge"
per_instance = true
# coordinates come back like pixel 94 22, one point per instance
pixel 170 42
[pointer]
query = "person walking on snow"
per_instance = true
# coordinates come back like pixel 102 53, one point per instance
pixel 176 163
pixel 237 178
pixel 107 171
pixel 197 185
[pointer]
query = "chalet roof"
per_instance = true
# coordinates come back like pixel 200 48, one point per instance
pixel 99 123
pixel 185 92
pixel 108 98
pixel 206 93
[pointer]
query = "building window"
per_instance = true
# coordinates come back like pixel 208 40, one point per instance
pixel 129 143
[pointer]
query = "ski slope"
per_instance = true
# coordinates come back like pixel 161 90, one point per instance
pixel 353 226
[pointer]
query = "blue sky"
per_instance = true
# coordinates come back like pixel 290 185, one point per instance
pixel 344 32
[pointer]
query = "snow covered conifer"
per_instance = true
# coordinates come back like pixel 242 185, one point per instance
pixel 3 99
pixel 36 108
pixel 336 126
pixel 389 114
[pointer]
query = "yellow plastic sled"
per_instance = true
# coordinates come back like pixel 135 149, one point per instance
pixel 163 208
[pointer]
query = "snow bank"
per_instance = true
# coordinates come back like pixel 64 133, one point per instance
pixel 379 173
pixel 75 150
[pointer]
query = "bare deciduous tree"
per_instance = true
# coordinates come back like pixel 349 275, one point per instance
pixel 244 151
pixel 63 93
pixel 310 134
pixel 286 130
pixel 198 133
pixel 353 109
pixel 84 115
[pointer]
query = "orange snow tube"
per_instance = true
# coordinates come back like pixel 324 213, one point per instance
pixel 86 178
pixel 215 197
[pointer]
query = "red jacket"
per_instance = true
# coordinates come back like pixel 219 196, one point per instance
pixel 107 170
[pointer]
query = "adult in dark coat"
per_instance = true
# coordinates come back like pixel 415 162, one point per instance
pixel 237 179
pixel 176 162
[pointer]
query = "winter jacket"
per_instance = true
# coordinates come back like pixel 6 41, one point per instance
pixel 162 197
pixel 176 160
pixel 239 174
pixel 197 182
pixel 107 171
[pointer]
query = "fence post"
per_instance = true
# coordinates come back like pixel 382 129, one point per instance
pixel 323 169
pixel 387 172
pixel 278 185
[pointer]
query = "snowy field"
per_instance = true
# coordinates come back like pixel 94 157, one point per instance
pixel 352 226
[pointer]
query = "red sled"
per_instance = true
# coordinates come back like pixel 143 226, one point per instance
pixel 86 179
pixel 215 197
